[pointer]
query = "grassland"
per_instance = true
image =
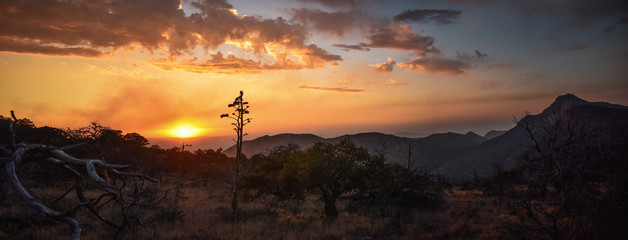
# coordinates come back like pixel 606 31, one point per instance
pixel 202 213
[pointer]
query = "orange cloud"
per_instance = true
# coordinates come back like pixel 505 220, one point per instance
pixel 332 89
pixel 392 82
pixel 306 58
pixel 217 64
pixel 99 27
pixel 385 67
pixel 13 44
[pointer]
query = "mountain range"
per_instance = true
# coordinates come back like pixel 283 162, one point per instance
pixel 453 155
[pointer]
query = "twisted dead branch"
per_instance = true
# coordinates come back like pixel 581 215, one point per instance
pixel 59 157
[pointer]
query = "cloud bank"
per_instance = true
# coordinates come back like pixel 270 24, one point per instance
pixel 99 27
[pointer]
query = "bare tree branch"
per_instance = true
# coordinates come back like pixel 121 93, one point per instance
pixel 21 192
pixel 58 157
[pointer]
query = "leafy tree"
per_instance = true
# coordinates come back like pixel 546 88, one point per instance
pixel 268 177
pixel 395 191
pixel 210 164
pixel 135 140
pixel 333 169
pixel 26 130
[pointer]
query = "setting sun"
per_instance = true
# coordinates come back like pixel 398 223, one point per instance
pixel 185 131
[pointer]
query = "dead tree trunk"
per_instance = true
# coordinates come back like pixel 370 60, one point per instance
pixel 240 109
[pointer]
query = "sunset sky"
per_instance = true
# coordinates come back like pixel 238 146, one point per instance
pixel 307 66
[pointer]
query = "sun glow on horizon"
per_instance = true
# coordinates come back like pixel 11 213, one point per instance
pixel 185 131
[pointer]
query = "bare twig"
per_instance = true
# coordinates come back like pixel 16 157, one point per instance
pixel 138 175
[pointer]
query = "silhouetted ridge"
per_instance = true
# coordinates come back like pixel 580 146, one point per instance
pixel 265 143
pixel 472 134
pixel 567 101
pixel 494 133
pixel 460 156
pixel 564 103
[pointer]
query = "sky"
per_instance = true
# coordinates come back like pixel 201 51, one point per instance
pixel 306 66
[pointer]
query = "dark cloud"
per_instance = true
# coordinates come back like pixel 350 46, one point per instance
pixel 318 53
pixel 610 29
pixel 436 65
pixel 445 16
pixel 217 4
pixel 578 12
pixel 480 2
pixel 479 54
pixel 574 18
pixel 472 59
pixel 393 35
pixel 99 27
pixel 385 67
pixel 622 21
pixel 337 23
pixel 573 47
pixel 566 44
pixel 341 4
pixel 503 66
pixel 401 37
pixel 359 47
pixel 333 89
pixel 439 64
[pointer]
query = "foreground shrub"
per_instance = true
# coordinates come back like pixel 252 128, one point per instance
pixel 243 215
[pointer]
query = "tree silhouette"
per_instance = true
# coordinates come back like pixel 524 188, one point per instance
pixel 574 176
pixel 240 109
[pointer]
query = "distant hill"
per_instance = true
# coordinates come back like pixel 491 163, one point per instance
pixel 504 149
pixel 494 133
pixel 265 143
pixel 424 151
pixel 411 134
pixel 453 155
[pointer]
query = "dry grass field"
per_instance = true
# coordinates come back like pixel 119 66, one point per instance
pixel 202 213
